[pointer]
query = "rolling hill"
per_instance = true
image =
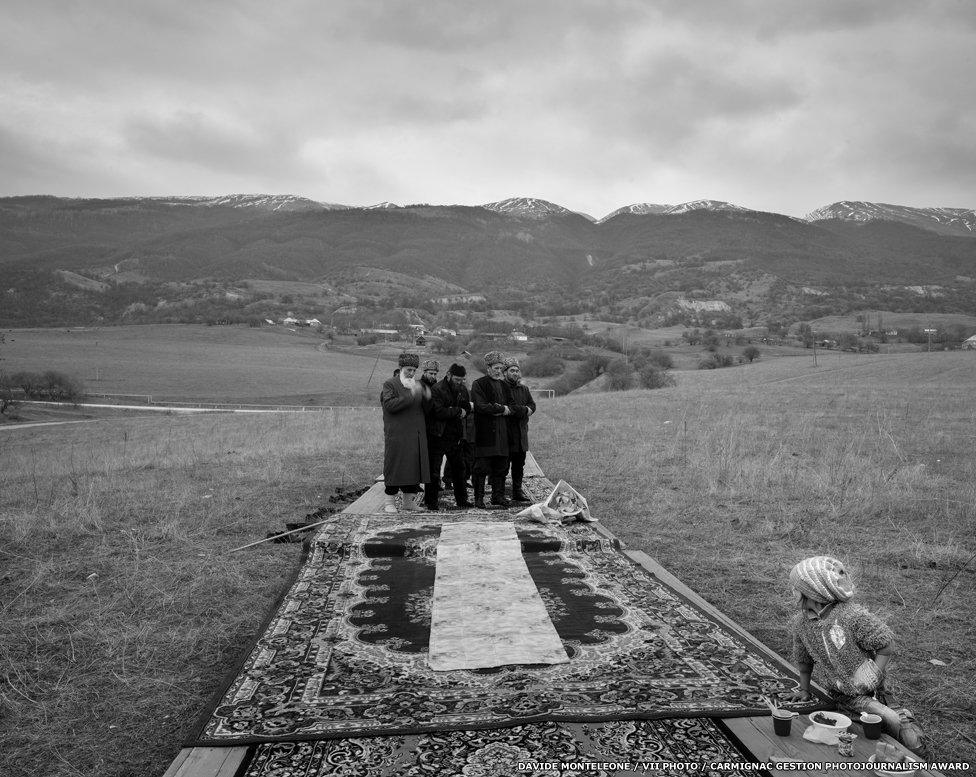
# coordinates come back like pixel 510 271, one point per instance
pixel 75 261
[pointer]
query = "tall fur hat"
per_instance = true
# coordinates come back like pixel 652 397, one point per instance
pixel 494 357
pixel 510 361
pixel 457 369
pixel 409 360
pixel 822 579
pixel 431 364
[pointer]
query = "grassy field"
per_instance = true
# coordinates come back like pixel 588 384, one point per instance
pixel 215 363
pixel 891 320
pixel 121 605
pixel 122 608
pixel 733 475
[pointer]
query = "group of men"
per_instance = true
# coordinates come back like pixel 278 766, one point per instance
pixel 482 433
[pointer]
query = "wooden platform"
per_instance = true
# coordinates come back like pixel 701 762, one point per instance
pixel 755 733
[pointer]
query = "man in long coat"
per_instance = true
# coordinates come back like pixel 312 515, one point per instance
pixel 405 459
pixel 520 402
pixel 490 432
pixel 450 406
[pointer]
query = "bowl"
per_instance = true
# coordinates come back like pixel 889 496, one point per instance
pixel 826 733
pixel 841 722
pixel 910 768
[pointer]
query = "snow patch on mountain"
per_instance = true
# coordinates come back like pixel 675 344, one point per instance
pixel 527 207
pixel 687 207
pixel 638 209
pixel 267 202
pixel 945 220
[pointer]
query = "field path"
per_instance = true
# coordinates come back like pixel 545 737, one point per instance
pixel 9 427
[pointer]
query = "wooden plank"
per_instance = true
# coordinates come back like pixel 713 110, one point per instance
pixel 178 761
pixel 210 762
pixel 757 736
pixel 370 503
pixel 532 468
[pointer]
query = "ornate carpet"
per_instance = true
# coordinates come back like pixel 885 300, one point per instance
pixel 538 749
pixel 344 654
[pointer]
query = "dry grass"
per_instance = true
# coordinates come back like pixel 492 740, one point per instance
pixel 121 608
pixel 729 479
pixel 216 363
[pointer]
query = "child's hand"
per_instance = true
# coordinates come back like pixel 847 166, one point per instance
pixel 800 696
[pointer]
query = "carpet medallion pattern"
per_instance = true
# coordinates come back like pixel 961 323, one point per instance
pixel 538 749
pixel 344 654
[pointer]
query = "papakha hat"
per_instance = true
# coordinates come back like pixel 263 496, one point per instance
pixel 510 361
pixel 494 357
pixel 409 360
pixel 822 579
pixel 431 364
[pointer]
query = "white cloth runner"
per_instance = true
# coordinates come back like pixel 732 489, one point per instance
pixel 486 609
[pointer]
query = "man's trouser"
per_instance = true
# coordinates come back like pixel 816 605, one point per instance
pixel 517 461
pixel 438 449
pixel 495 468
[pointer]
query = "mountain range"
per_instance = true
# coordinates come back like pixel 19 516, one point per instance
pixel 169 258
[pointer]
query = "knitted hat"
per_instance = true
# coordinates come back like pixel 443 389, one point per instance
pixel 457 369
pixel 510 361
pixel 409 360
pixel 431 364
pixel 822 579
pixel 494 357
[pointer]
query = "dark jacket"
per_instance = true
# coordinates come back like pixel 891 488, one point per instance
pixel 444 418
pixel 519 402
pixel 405 461
pixel 490 429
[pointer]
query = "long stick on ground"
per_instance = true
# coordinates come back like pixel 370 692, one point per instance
pixel 283 534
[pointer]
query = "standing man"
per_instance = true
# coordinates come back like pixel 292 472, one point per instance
pixel 405 459
pixel 450 408
pixel 428 378
pixel 490 432
pixel 520 402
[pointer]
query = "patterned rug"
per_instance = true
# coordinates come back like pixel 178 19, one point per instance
pixel 344 655
pixel 657 747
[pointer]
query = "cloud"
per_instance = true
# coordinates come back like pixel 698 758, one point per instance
pixel 781 105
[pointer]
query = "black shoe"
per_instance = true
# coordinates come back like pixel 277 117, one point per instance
pixel 501 502
pixel 518 496
pixel 464 505
pixel 431 508
pixel 480 504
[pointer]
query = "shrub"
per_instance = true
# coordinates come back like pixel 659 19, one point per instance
pixel 620 375
pixel 447 346
pixel 715 361
pixel 651 376
pixel 751 353
pixel 62 388
pixel 369 339
pixel 653 356
pixel 543 364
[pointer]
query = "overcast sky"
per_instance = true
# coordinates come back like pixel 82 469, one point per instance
pixel 779 105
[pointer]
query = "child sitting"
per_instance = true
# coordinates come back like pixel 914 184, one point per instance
pixel 851 645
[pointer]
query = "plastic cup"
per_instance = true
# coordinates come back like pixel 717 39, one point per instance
pixel 782 722
pixel 871 724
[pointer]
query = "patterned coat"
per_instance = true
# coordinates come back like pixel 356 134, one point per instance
pixel 490 429
pixel 405 460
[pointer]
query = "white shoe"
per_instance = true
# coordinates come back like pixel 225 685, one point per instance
pixel 389 504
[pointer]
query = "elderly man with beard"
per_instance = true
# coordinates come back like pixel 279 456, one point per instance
pixel 520 401
pixel 490 432
pixel 450 407
pixel 405 459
